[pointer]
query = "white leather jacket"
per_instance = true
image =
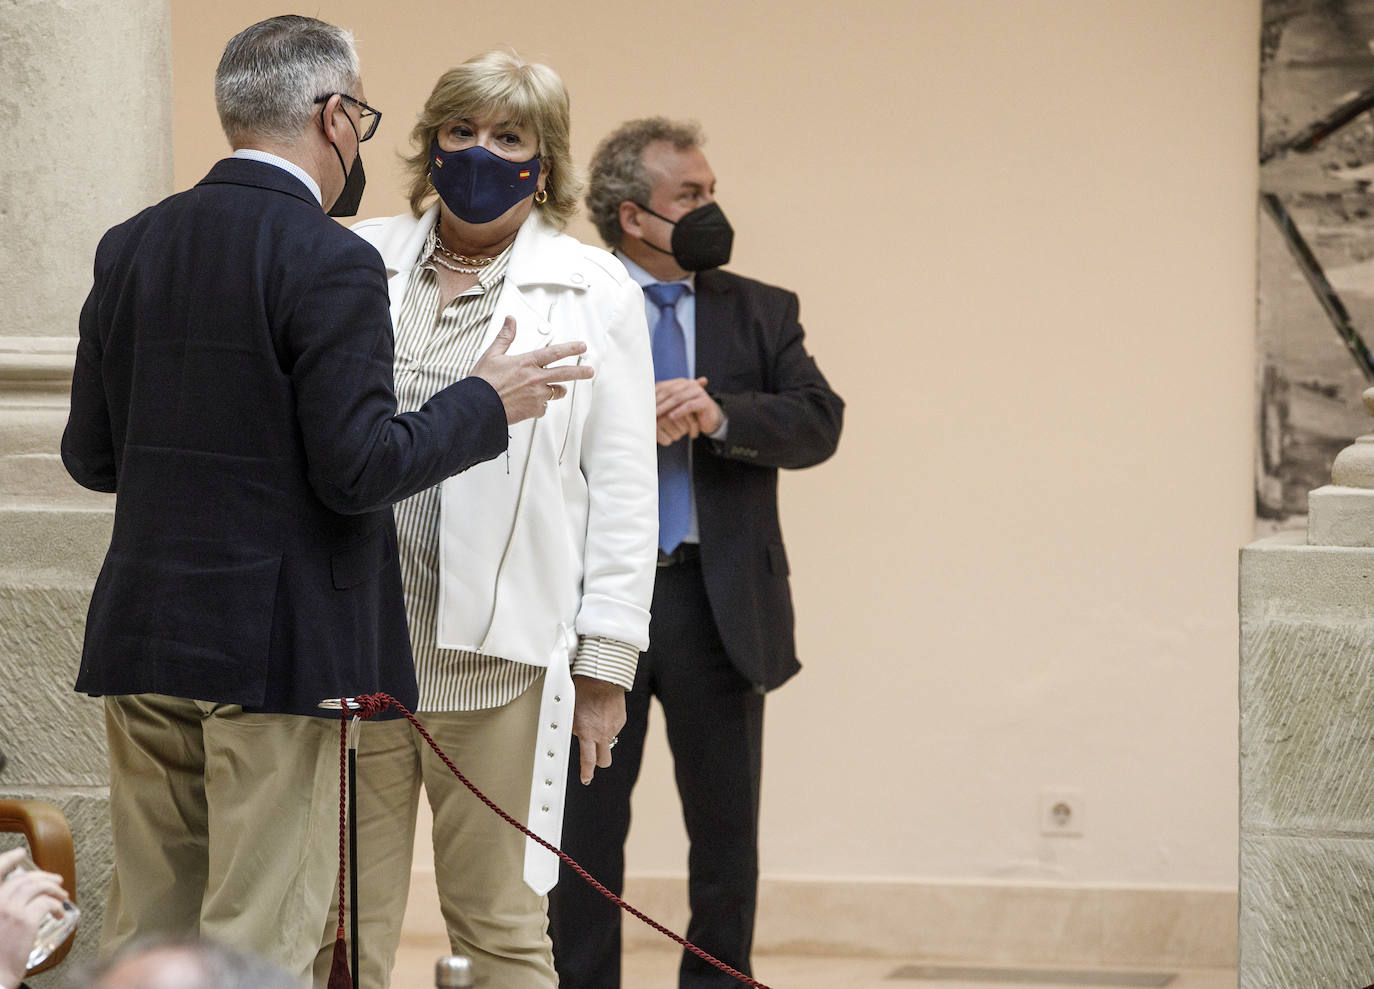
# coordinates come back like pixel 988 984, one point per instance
pixel 558 539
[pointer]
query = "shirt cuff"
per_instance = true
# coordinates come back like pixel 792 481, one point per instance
pixel 606 659
pixel 719 435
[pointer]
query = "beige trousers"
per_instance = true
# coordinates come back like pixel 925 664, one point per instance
pixel 490 914
pixel 225 826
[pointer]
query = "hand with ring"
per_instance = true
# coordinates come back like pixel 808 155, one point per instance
pixel 598 716
pixel 519 378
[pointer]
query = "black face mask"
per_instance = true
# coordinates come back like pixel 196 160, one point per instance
pixel 701 239
pixel 352 195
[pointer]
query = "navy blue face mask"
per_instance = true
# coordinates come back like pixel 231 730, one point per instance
pixel 477 185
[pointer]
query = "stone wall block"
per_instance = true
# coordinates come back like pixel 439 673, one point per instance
pixel 1282 576
pixel 1339 516
pixel 1307 717
pixel 1305 912
pixel 41 477
pixel 36 428
pixel 52 736
pixel 53 547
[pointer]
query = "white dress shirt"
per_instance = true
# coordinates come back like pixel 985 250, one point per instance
pixel 267 158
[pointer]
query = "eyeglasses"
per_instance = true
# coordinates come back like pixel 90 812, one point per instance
pixel 368 118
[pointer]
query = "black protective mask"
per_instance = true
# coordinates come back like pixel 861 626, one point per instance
pixel 354 179
pixel 701 239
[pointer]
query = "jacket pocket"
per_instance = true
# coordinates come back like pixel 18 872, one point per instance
pixel 363 560
pixel 777 560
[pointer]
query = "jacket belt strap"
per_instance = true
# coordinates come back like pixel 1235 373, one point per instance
pixel 547 787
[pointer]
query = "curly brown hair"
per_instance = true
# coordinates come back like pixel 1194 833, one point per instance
pixel 618 173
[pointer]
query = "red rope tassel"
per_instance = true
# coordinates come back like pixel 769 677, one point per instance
pixel 338 970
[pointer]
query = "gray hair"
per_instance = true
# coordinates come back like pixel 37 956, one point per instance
pixel 271 73
pixel 618 173
pixel 215 966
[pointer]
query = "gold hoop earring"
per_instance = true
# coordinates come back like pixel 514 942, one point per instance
pixel 540 197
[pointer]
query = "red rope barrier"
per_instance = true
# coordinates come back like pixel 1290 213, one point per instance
pixel 368 705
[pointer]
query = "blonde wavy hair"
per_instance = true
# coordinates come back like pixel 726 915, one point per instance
pixel 525 93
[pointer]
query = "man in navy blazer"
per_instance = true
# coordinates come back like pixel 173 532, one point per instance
pixel 233 385
pixel 738 398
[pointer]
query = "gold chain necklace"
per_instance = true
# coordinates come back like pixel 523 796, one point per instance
pixel 444 262
pixel 458 262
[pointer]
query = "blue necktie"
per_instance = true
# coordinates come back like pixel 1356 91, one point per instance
pixel 674 474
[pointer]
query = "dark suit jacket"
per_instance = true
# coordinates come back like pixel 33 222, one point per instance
pixel 749 345
pixel 233 384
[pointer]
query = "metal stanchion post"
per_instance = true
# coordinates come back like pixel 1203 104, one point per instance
pixel 453 972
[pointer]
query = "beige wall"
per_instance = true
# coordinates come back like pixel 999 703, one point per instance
pixel 1023 235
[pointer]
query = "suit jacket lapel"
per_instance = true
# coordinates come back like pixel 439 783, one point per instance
pixel 713 325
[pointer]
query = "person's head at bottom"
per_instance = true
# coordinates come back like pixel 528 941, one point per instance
pixel 180 964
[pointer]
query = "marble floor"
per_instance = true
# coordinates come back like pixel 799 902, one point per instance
pixel 657 968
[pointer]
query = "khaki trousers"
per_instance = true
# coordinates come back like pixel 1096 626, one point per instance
pixel 490 914
pixel 225 826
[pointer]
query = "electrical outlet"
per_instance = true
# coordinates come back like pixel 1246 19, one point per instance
pixel 1061 812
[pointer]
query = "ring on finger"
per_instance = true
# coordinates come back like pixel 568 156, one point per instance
pixel 611 743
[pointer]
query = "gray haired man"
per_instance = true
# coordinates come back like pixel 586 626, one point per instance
pixel 162 963
pixel 233 384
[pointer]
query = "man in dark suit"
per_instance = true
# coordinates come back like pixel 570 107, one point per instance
pixel 738 398
pixel 233 384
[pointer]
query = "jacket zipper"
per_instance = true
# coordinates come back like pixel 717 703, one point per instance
pixel 510 538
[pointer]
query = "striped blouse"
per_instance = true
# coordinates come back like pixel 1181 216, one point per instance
pixel 433 349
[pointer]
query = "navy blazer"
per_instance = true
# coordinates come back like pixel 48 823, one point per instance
pixel 782 412
pixel 233 385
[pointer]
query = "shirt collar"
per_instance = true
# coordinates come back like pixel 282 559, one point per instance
pixel 267 158
pixel 642 277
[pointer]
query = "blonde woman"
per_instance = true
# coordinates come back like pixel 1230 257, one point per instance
pixel 528 579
